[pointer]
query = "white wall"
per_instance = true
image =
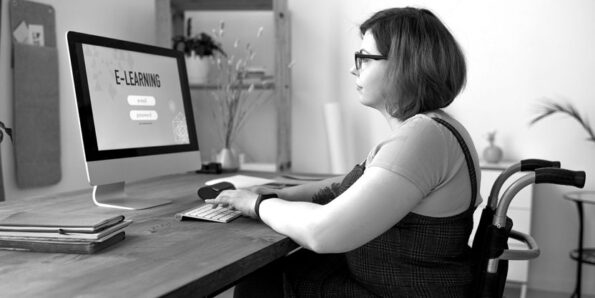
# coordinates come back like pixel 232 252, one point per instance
pixel 132 20
pixel 517 52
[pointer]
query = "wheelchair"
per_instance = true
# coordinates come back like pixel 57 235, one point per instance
pixel 490 245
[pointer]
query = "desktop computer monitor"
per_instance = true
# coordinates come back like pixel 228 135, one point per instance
pixel 135 115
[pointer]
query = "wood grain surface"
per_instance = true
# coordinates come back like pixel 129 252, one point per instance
pixel 159 257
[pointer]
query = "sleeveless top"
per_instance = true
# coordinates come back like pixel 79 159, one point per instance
pixel 420 256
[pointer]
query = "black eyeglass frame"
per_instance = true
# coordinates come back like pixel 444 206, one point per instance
pixel 359 56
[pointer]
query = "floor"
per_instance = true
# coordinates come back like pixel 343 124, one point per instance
pixel 510 292
pixel 226 294
pixel 515 291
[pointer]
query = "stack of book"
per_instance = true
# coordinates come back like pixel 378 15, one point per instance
pixel 61 233
pixel 256 76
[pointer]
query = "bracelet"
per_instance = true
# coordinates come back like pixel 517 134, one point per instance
pixel 259 200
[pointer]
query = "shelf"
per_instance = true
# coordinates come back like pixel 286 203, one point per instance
pixel 170 22
pixel 501 166
pixel 183 5
pixel 264 83
pixel 265 86
pixel 588 256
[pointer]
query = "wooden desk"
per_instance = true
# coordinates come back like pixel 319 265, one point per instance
pixel 159 257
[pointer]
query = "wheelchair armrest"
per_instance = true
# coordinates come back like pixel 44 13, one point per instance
pixel 521 254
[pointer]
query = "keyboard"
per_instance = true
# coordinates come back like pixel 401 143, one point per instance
pixel 207 212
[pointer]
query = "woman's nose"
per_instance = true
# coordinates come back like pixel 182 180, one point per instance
pixel 354 71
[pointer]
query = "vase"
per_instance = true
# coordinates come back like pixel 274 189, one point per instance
pixel 492 154
pixel 198 69
pixel 228 159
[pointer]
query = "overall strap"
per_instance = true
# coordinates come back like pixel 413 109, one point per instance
pixel 468 158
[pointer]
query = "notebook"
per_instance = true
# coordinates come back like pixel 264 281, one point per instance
pixel 32 221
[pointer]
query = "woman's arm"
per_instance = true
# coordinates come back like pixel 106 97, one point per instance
pixel 245 199
pixel 373 204
pixel 301 193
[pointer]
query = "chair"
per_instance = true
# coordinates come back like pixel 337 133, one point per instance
pixel 490 245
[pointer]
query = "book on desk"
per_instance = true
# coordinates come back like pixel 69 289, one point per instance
pixel 61 233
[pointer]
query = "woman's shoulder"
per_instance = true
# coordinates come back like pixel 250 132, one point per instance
pixel 423 131
pixel 422 137
pixel 431 119
pixel 413 136
pixel 432 125
pixel 419 119
pixel 417 150
pixel 421 126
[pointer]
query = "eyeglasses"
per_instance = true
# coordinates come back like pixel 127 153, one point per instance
pixel 359 58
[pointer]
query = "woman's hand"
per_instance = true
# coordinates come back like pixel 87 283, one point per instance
pixel 263 189
pixel 241 199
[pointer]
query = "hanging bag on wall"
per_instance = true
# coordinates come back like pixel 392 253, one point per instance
pixel 35 94
pixel 1 171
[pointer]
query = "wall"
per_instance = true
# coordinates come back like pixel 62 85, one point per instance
pixel 132 20
pixel 517 53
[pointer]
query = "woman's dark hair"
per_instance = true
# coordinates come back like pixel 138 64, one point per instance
pixel 426 65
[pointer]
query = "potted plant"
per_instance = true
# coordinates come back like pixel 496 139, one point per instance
pixel 198 50
pixel 8 131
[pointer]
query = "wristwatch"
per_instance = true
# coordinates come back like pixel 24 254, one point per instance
pixel 259 200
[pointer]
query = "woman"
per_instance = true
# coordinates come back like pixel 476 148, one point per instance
pixel 399 223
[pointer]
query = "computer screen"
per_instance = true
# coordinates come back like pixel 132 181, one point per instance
pixel 135 115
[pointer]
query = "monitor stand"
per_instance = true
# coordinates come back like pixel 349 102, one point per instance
pixel 113 196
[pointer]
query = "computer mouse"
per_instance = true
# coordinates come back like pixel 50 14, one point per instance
pixel 212 191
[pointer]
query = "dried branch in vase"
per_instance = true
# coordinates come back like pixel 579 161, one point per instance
pixel 236 95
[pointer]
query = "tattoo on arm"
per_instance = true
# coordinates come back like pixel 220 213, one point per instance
pixel 326 194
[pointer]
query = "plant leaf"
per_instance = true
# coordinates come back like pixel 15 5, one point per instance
pixel 539 117
pixel 551 108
